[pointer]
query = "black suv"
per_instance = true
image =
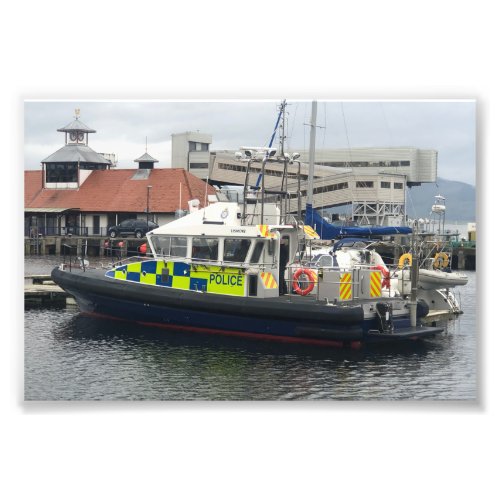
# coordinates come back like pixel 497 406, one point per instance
pixel 136 227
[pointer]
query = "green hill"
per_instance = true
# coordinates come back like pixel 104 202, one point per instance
pixel 460 200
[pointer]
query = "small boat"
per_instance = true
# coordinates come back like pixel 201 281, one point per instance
pixel 430 279
pixel 228 269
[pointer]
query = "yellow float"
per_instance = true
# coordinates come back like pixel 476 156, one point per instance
pixel 440 260
pixel 405 260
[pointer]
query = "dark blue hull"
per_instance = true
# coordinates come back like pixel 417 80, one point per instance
pixel 215 323
pixel 279 320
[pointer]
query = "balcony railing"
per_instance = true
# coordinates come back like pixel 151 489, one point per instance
pixel 40 231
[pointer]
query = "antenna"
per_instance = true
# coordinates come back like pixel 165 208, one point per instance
pixel 282 111
pixel 312 149
pixel 282 127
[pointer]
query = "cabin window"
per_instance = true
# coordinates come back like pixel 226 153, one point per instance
pixel 271 247
pixel 205 249
pixel 398 185
pixel 235 250
pixel 386 185
pixel 257 252
pixel 170 246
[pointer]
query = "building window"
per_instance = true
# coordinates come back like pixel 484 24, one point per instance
pixel 385 185
pixel 364 184
pixel 360 164
pixel 197 146
pixel 257 170
pixel 323 189
pixel 398 185
pixel 198 165
pixel 96 224
pixel 60 172
pixel 331 187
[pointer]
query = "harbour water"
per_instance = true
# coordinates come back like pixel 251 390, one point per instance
pixel 69 356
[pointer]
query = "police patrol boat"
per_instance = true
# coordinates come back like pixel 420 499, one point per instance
pixel 211 273
pixel 230 268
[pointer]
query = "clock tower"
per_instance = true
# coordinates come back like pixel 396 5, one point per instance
pixel 69 166
pixel 77 132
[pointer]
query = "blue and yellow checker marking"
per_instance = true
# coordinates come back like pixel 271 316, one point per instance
pixel 182 276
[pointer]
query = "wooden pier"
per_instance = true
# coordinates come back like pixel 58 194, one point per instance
pixel 41 291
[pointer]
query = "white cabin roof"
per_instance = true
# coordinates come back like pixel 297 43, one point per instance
pixel 217 219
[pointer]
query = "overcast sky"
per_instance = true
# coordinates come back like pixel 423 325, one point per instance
pixel 122 127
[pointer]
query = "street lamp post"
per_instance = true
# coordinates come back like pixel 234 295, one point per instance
pixel 147 208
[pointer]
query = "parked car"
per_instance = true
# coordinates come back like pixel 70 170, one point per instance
pixel 129 227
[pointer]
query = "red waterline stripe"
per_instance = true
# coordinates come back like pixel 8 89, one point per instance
pixel 248 335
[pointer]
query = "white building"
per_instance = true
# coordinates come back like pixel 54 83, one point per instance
pixel 418 165
pixel 191 151
pixel 371 181
pixel 367 182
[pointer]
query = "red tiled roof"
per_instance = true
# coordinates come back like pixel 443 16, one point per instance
pixel 116 191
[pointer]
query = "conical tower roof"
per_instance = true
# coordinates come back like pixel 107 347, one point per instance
pixel 146 157
pixel 76 126
pixel 73 153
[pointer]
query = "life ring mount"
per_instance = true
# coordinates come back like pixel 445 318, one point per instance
pixel 311 276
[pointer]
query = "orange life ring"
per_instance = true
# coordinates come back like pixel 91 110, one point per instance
pixel 386 277
pixel 311 277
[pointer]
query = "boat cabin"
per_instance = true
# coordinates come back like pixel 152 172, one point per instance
pixel 211 251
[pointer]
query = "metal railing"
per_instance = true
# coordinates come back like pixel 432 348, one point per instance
pixel 41 231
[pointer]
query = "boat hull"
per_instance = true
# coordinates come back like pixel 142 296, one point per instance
pixel 281 319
